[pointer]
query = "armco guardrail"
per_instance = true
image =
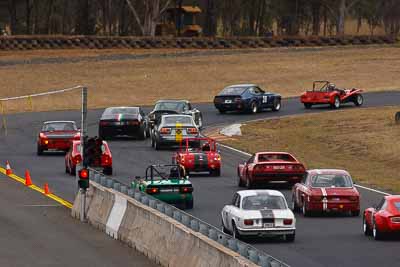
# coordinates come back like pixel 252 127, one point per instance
pixel 29 42
pixel 146 223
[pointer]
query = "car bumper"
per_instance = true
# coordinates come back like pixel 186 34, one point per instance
pixel 120 130
pixel 174 198
pixel 173 140
pixel 266 231
pixel 232 107
pixel 333 206
pixel 202 168
pixel 275 177
pixel 54 144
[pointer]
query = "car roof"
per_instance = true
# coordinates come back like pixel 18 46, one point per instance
pixel 172 100
pixel 122 107
pixel 47 122
pixel 392 197
pixel 242 85
pixel 327 171
pixel 269 152
pixel 246 193
pixel 79 141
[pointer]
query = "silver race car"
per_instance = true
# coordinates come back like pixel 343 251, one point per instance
pixel 259 213
pixel 172 129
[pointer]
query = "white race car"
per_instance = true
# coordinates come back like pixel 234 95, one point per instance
pixel 259 213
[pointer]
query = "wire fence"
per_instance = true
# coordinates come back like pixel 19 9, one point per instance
pixel 246 250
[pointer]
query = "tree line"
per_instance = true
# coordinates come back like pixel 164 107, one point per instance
pixel 218 17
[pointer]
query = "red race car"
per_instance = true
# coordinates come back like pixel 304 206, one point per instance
pixel 326 191
pixel 203 158
pixel 100 157
pixel 324 92
pixel 384 219
pixel 265 167
pixel 57 136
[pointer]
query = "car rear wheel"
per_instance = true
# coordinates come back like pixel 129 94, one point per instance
pixel 249 184
pixel 66 169
pixel 72 170
pixel 142 133
pixel 39 151
pixel 375 232
pixel 235 232
pixel 307 105
pixel 157 145
pixel 224 230
pixel 216 172
pixel 253 107
pixel 336 103
pixel 294 204
pixel 355 213
pixel 277 105
pixel 290 237
pixel 305 210
pixel 240 182
pixel 108 171
pixel 222 111
pixel 366 229
pixel 200 121
pixel 359 100
pixel 189 204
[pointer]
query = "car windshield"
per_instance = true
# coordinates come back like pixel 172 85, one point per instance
pixel 331 180
pixel 233 91
pixel 275 157
pixel 173 105
pixel 163 173
pixel 103 148
pixel 59 126
pixel 177 119
pixel 264 201
pixel 397 205
pixel 127 110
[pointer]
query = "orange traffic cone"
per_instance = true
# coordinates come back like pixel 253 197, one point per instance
pixel 46 189
pixel 8 168
pixel 28 180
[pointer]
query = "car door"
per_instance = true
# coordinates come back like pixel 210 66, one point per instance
pixel 247 168
pixel 227 213
pixel 235 211
pixel 264 97
pixel 378 209
pixel 300 190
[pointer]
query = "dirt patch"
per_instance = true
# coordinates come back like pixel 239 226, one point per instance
pixel 362 141
pixel 199 78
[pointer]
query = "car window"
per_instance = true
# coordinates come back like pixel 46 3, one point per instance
pixel 304 180
pixel 379 206
pixel 257 90
pixel 274 157
pixel 260 90
pixel 125 110
pixel 103 148
pixel 237 202
pixel 331 180
pixel 59 126
pixel 397 205
pixel 264 201
pixel 177 119
pixel 235 196
pixel 173 105
pixel 233 91
pixel 189 106
pixel 251 160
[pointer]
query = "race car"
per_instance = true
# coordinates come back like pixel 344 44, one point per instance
pixel 326 190
pixel 98 156
pixel 246 98
pixel 383 219
pixel 163 107
pixel 259 213
pixel 172 129
pixel 168 183
pixel 57 136
pixel 205 158
pixel 324 92
pixel 123 121
pixel 266 167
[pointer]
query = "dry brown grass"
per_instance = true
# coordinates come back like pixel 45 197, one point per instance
pixel 199 78
pixel 363 141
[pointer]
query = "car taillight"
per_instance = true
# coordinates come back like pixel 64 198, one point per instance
pixel 217 158
pixel 165 130
pixel 248 222
pixel 77 136
pixel 238 99
pixel 186 189
pixel 192 130
pixel 133 123
pixel 152 190
pixel 287 221
pixel 77 159
pixel 105 159
pixel 353 198
pixel 395 219
pixel 298 167
pixel 104 123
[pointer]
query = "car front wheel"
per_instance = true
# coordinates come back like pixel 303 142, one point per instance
pixel 366 229
pixel 304 210
pixel 253 107
pixel 277 105
pixel 375 232
pixel 307 105
pixel 359 100
pixel 235 232
pixel 336 103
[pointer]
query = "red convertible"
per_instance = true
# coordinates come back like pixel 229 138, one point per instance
pixel 205 158
pixel 57 136
pixel 265 167
pixel 100 157
pixel 324 92
pixel 326 191
pixel 383 219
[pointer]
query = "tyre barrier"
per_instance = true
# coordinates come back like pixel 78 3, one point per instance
pixel 164 233
pixel 22 42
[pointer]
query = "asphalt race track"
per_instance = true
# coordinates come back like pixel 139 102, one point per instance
pixel 320 241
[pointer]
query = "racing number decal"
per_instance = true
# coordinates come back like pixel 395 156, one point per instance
pixel 178 132
pixel 265 99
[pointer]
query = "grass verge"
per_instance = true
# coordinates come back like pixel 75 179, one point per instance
pixel 363 141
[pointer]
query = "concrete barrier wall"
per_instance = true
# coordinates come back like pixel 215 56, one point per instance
pixel 163 239
pixel 107 42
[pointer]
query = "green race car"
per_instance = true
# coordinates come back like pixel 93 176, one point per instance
pixel 167 183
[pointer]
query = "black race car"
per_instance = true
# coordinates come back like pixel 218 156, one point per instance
pixel 246 98
pixel 123 121
pixel 163 107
